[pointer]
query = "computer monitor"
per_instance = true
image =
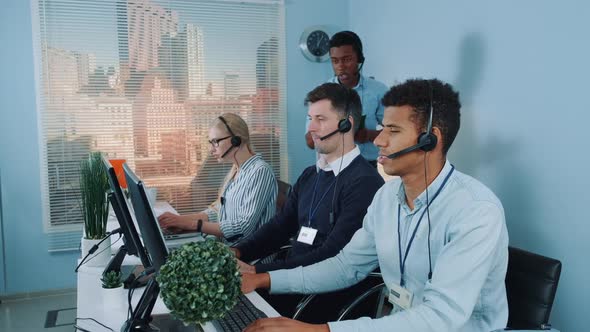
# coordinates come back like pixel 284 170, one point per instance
pixel 132 243
pixel 151 234
pixel 156 248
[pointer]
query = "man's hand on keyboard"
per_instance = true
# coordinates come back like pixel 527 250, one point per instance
pixel 245 268
pixel 253 281
pixel 283 324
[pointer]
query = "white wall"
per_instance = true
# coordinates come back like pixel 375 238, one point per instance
pixel 522 69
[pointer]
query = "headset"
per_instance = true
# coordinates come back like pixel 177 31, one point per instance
pixel 235 141
pixel 426 140
pixel 344 125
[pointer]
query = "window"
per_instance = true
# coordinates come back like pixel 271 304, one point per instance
pixel 142 80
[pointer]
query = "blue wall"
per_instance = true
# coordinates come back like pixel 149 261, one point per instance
pixel 30 267
pixel 303 75
pixel 522 68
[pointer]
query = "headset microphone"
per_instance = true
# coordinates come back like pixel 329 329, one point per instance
pixel 408 150
pixel 426 141
pixel 330 134
pixel 226 152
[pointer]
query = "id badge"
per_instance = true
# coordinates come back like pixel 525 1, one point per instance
pixel 400 297
pixel 307 235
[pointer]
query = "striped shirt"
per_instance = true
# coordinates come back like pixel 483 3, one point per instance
pixel 249 200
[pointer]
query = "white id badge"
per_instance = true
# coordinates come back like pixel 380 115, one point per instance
pixel 400 297
pixel 307 235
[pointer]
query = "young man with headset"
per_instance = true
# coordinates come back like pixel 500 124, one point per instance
pixel 439 236
pixel 346 55
pixel 329 199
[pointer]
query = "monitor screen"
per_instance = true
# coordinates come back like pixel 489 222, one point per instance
pixel 119 204
pixel 148 224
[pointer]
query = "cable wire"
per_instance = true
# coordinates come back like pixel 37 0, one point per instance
pixel 92 319
pixel 427 214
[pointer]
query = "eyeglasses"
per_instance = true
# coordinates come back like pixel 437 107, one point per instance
pixel 215 141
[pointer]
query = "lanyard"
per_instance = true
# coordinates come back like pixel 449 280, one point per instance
pixel 402 262
pixel 312 210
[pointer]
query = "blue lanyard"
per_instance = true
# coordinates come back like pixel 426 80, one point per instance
pixel 312 210
pixel 402 263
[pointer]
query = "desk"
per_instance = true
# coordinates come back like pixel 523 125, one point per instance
pixel 94 302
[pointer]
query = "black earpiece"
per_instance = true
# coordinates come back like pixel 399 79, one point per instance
pixel 426 140
pixel 235 140
pixel 344 125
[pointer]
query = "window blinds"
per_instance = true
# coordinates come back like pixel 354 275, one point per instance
pixel 142 80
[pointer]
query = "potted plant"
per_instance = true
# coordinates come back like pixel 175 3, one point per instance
pixel 200 281
pixel 113 292
pixel 94 185
pixel 111 279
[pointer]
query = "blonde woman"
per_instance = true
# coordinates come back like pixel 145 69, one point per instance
pixel 248 196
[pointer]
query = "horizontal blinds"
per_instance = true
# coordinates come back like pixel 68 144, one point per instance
pixel 142 80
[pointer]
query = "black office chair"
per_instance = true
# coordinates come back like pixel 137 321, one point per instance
pixel 283 194
pixel 531 284
pixel 369 302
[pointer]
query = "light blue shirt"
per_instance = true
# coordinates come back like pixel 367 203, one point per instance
pixel 469 248
pixel 371 92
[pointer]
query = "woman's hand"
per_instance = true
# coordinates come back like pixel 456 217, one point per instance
pixel 168 220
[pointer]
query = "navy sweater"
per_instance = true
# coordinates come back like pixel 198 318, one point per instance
pixel 356 186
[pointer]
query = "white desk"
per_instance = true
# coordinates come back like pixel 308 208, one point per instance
pixel 111 309
pixel 94 302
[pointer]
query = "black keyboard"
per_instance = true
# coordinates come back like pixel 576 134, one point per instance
pixel 241 316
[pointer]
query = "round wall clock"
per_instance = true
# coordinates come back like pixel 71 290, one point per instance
pixel 315 43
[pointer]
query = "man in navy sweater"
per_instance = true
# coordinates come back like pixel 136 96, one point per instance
pixel 329 199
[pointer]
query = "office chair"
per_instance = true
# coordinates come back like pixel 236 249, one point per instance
pixel 369 302
pixel 283 194
pixel 531 284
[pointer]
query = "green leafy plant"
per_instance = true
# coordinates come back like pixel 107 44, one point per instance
pixel 200 281
pixel 111 279
pixel 93 187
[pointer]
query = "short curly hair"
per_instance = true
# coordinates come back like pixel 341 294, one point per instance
pixel 343 38
pixel 445 102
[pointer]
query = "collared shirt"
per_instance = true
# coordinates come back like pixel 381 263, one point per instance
pixel 346 201
pixel 249 200
pixel 339 164
pixel 469 250
pixel 371 92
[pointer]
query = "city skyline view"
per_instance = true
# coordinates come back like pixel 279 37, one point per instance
pixel 149 96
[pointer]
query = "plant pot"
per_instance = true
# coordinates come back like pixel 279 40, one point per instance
pixel 101 256
pixel 114 297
